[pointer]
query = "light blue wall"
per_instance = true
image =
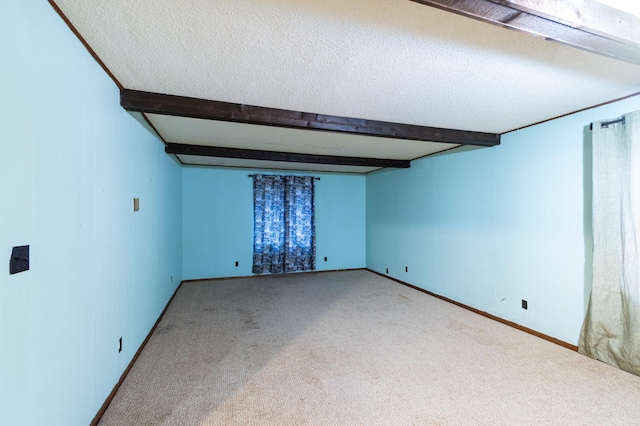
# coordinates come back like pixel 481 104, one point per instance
pixel 218 221
pixel 71 161
pixel 490 227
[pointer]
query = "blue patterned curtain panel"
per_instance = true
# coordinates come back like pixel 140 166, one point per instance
pixel 284 236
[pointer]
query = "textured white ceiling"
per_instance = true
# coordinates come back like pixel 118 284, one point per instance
pixel 389 60
pixel 192 131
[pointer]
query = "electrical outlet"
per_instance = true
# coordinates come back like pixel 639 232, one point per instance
pixel 387 270
pixel 236 264
pixel 325 258
pixel 524 304
pixel 120 344
pixel 171 278
pixel 406 269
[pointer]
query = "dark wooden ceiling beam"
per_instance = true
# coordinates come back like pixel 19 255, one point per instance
pixel 250 154
pixel 587 15
pixel 587 24
pixel 156 103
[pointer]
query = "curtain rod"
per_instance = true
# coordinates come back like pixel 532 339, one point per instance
pixel 316 178
pixel 607 123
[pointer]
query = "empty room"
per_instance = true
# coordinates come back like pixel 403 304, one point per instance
pixel 319 212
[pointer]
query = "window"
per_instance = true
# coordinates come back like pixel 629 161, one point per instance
pixel 284 225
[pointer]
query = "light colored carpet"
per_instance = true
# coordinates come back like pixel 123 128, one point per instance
pixel 354 348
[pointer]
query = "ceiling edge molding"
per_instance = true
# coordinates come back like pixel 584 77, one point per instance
pixel 574 112
pixel 84 43
pixel 249 154
pixel 156 103
pixel 603 38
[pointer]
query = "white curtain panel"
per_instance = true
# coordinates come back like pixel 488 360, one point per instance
pixel 611 330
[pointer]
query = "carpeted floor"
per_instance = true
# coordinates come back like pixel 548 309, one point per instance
pixel 354 348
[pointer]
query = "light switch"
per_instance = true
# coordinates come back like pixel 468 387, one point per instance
pixel 136 204
pixel 19 259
